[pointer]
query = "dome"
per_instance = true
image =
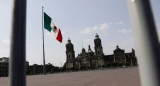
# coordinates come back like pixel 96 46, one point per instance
pixel 97 36
pixel 89 49
pixel 83 50
pixel 69 41
pixel 118 49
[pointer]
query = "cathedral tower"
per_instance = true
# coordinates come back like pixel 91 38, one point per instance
pixel 98 46
pixel 70 51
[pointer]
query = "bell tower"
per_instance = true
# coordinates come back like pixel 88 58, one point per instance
pixel 98 46
pixel 70 54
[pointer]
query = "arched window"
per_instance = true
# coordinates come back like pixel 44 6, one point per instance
pixel 68 56
pixel 98 52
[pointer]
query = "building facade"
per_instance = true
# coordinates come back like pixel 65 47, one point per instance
pixel 4 62
pixel 70 54
pixel 91 60
pixel 4 67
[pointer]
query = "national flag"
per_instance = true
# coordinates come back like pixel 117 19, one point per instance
pixel 51 26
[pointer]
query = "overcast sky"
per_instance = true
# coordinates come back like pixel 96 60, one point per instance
pixel 79 20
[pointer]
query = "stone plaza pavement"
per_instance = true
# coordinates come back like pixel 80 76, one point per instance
pixel 106 77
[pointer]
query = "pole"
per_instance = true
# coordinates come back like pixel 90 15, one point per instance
pixel 147 44
pixel 17 62
pixel 44 67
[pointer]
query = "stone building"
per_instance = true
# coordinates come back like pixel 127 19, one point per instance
pixel 91 60
pixel 35 69
pixel 119 57
pixel 4 62
pixel 4 67
pixel 70 54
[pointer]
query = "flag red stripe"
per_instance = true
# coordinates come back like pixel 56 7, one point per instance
pixel 59 36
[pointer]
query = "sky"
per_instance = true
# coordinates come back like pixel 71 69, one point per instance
pixel 78 20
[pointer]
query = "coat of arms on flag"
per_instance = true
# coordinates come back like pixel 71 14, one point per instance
pixel 51 26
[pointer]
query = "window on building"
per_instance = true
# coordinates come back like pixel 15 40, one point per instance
pixel 98 52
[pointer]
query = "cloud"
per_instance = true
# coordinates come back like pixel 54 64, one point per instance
pixel 120 23
pixel 110 23
pixel 6 41
pixel 128 42
pixel 87 40
pixel 111 44
pixel 100 27
pixel 95 28
pixel 86 31
pixel 124 31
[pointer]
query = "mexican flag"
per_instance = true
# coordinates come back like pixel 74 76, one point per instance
pixel 50 25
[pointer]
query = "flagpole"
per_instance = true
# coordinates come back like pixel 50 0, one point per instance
pixel 17 62
pixel 44 71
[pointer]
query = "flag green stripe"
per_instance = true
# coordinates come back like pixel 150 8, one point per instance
pixel 47 22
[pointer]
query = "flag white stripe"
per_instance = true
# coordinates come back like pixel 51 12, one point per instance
pixel 52 26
